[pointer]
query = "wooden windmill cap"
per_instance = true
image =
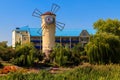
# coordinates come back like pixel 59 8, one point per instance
pixel 48 13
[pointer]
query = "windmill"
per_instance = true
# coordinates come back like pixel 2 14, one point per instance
pixel 48 27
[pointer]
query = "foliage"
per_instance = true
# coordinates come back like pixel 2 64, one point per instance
pixel 6 53
pixel 39 55
pixel 85 72
pixel 76 53
pixel 63 56
pixel 1 65
pixel 3 44
pixel 78 48
pixel 109 26
pixel 18 43
pixel 104 48
pixel 25 55
pixel 60 55
pixel 9 54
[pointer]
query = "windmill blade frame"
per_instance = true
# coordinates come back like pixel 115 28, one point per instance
pixel 39 31
pixel 55 8
pixel 60 25
pixel 36 13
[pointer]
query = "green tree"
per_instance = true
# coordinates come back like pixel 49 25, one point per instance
pixel 4 44
pixel 109 26
pixel 104 48
pixel 6 52
pixel 25 55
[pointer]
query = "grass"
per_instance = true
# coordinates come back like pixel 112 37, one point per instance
pixel 82 72
pixel 5 63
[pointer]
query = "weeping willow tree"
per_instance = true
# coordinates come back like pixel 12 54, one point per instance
pixel 104 48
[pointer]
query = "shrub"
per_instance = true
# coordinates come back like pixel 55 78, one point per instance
pixel 39 55
pixel 1 65
pixel 6 53
pixel 25 55
pixel 63 56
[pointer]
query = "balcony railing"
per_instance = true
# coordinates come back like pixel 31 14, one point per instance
pixel 36 41
pixel 38 47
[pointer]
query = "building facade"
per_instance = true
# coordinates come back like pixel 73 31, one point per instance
pixel 66 37
pixel 20 36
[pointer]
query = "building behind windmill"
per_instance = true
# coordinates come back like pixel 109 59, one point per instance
pixel 69 37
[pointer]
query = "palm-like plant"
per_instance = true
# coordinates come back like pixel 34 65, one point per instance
pixel 63 56
pixel 60 55
pixel 25 55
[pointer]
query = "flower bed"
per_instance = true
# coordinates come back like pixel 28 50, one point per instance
pixel 8 69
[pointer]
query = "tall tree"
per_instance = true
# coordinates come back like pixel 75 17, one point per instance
pixel 109 26
pixel 104 46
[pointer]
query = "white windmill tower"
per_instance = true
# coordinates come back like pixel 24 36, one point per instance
pixel 48 28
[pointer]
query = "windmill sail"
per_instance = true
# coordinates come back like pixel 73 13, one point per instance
pixel 36 13
pixel 55 8
pixel 60 25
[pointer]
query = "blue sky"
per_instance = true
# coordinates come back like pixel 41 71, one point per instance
pixel 77 14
